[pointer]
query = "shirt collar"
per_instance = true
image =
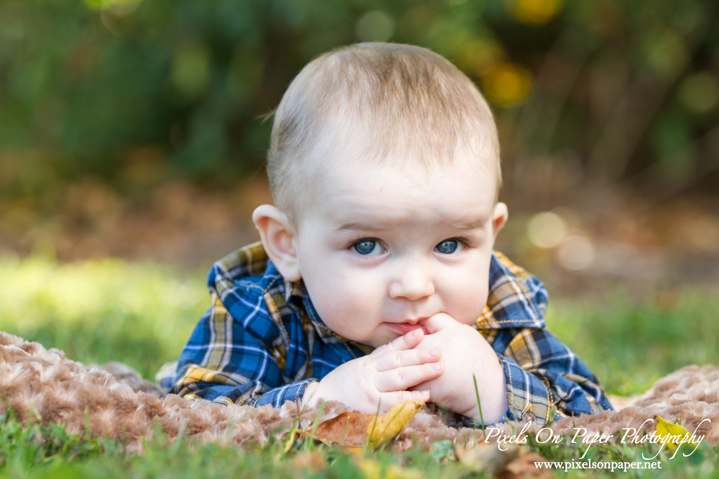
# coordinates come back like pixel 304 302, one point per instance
pixel 516 298
pixel 296 293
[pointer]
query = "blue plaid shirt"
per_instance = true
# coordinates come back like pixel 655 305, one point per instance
pixel 261 342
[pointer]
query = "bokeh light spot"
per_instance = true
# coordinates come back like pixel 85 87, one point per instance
pixel 374 26
pixel 699 92
pixel 12 21
pixel 191 68
pixel 665 53
pixel 546 229
pixel 575 253
pixel 507 84
pixel 119 7
pixel 534 12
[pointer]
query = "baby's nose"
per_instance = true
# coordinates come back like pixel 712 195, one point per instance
pixel 413 283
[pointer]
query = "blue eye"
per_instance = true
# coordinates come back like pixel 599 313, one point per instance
pixel 448 246
pixel 367 247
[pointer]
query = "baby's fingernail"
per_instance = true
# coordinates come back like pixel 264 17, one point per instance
pixel 434 353
pixel 416 333
pixel 425 394
pixel 437 366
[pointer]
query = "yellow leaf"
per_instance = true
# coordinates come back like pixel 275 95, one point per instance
pixel 374 470
pixel 665 428
pixel 389 425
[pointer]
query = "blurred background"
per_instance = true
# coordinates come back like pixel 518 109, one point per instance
pixel 132 144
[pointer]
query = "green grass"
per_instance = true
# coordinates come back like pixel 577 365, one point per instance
pixel 142 313
pixel 98 311
pixel 34 451
pixel 629 346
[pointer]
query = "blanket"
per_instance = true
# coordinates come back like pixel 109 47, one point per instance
pixel 115 402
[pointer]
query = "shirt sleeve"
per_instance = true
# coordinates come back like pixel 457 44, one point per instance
pixel 544 375
pixel 224 363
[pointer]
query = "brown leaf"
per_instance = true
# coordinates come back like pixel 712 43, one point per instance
pixel 313 460
pixel 514 463
pixel 348 428
pixel 354 429
pixel 486 457
pixel 523 467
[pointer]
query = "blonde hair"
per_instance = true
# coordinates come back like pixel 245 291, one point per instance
pixel 373 101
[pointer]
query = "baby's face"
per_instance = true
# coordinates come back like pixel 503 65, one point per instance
pixel 381 249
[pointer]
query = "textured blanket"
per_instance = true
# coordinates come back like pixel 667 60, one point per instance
pixel 39 384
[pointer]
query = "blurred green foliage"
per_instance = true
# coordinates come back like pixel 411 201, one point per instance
pixel 136 91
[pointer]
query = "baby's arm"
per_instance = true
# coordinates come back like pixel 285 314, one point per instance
pixel 224 363
pixel 544 373
pixel 380 378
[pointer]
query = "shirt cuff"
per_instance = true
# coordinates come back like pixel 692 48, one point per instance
pixel 528 396
pixel 278 396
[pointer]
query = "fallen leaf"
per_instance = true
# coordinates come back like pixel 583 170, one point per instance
pixel 374 470
pixel 352 429
pixel 347 428
pixel 523 467
pixel 389 425
pixel 514 463
pixel 665 428
pixel 312 460
pixel 486 457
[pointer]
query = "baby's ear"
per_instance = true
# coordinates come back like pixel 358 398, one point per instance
pixel 499 218
pixel 278 239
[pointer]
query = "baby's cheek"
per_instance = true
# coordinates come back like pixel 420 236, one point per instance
pixel 351 308
pixel 470 306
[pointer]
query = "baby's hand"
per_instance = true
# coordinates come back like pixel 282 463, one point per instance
pixel 381 377
pixel 465 352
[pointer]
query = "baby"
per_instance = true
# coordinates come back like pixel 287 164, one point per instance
pixel 376 281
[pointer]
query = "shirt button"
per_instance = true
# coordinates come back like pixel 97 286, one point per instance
pixel 529 416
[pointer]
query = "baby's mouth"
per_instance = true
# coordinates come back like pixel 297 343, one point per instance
pixel 404 328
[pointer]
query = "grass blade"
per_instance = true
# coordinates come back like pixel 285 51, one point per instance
pixel 479 405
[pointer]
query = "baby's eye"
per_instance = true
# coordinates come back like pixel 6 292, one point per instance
pixel 449 246
pixel 367 247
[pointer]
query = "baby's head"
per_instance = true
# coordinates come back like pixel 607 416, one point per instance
pixel 384 168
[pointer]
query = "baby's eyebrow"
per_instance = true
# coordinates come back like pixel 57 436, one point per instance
pixel 359 226
pixel 469 225
pixel 460 225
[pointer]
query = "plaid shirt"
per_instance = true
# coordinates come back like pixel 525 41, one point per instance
pixel 261 342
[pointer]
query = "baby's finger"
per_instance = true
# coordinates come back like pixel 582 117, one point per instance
pixel 402 378
pixel 406 357
pixel 408 341
pixel 438 322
